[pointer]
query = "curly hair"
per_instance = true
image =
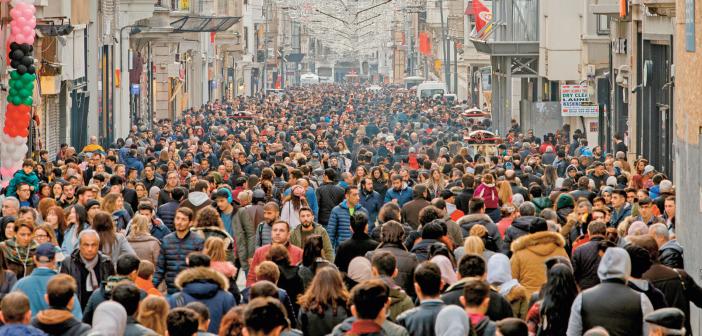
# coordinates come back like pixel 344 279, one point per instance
pixel 208 216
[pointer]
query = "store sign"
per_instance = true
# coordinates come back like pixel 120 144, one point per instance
pixel 575 102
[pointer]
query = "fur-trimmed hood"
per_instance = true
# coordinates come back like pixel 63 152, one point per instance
pixel 202 275
pixel 541 243
pixel 469 218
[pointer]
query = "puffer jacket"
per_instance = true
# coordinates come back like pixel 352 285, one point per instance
pixel 166 213
pixel 329 195
pixel 371 201
pixel 519 228
pixel 671 255
pixel 205 285
pixel 402 196
pixel 20 176
pixel 146 247
pixel 74 267
pixel 263 234
pixel 339 226
pixel 171 259
pixel 529 254
pixel 196 200
pixel 406 263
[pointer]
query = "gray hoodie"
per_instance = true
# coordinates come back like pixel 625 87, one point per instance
pixel 452 321
pixel 110 319
pixel 615 264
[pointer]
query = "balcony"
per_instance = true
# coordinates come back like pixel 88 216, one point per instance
pixel 660 7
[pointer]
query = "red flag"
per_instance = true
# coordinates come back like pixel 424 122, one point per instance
pixel 482 15
pixel 424 43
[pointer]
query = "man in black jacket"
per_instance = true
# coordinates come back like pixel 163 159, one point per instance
pixel 586 258
pixel 671 253
pixel 472 267
pixel 427 284
pixel 88 265
pixel 463 198
pixel 329 195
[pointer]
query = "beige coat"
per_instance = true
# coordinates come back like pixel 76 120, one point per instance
pixel 146 246
pixel 529 254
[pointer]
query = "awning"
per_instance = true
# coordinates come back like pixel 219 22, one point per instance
pixel 204 23
pixel 295 58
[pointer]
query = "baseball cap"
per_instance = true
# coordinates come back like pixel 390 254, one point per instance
pixel 45 252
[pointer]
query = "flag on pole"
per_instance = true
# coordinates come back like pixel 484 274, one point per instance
pixel 482 14
pixel 424 43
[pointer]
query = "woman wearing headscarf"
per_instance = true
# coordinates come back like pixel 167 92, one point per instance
pixel 452 321
pixel 359 271
pixel 448 275
pixel 110 319
pixel 500 277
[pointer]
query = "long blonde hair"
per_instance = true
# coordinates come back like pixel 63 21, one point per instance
pixel 140 226
pixel 474 245
pixel 153 311
pixel 215 249
pixel 109 203
pixel 504 192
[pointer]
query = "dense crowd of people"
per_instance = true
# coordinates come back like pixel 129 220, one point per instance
pixel 335 210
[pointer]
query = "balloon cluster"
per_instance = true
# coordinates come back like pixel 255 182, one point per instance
pixel 15 121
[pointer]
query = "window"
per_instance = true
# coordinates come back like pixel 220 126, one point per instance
pixel 603 25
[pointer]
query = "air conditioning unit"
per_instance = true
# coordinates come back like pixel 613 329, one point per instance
pixel 50 85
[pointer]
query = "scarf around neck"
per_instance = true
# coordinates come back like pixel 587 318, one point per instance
pixel 92 283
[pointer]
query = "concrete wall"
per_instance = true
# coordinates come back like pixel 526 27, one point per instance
pixel 560 25
pixel 688 153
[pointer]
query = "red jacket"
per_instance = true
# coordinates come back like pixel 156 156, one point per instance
pixel 294 252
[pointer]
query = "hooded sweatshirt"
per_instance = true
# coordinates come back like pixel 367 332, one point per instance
pixel 615 267
pixel 500 276
pixel 110 319
pixel 59 322
pixel 452 321
pixel 196 200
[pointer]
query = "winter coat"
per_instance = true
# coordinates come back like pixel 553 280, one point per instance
pixel 339 226
pixel 406 263
pixel 133 328
pixel 372 202
pixel 493 241
pixel 400 302
pixel 541 203
pixel 387 329
pixel 74 267
pixel 312 323
pixel 585 261
pixel 328 195
pixel 20 176
pixel 146 247
pixel 104 293
pixel 529 254
pixel 678 287
pixel 196 200
pixel 402 196
pixel 498 308
pixel 619 215
pixel 411 209
pixel 421 319
pixel 357 246
pixel 671 254
pixel 488 192
pixel 158 230
pixel 171 259
pixel 327 250
pixel 121 219
pixel 167 212
pixel 421 249
pixel 215 231
pixel 18 329
pixel 207 286
pixel 519 228
pixel 244 234
pixel 34 286
pixel 119 248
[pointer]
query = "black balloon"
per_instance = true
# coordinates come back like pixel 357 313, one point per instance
pixel 14 45
pixel 16 54
pixel 14 63
pixel 31 70
pixel 27 48
pixel 21 69
pixel 27 60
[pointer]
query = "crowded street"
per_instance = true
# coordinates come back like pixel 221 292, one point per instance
pixel 366 167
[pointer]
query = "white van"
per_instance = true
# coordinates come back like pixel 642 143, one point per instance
pixel 309 79
pixel 431 89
